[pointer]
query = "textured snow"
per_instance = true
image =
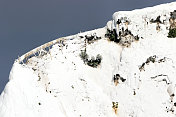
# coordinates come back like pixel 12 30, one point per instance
pixel 59 84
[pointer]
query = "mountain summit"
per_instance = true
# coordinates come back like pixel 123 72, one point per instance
pixel 126 69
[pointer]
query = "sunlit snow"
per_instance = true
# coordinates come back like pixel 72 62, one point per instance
pixel 57 83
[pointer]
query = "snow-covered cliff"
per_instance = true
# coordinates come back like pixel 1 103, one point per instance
pixel 126 69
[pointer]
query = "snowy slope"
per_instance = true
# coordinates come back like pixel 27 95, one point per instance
pixel 53 81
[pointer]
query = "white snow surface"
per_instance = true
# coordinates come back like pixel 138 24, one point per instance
pixel 59 84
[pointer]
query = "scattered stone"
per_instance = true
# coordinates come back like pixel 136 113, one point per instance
pixel 92 38
pixel 175 104
pixel 115 106
pixel 116 79
pixel 34 69
pixel 157 20
pixel 134 92
pixel 72 87
pixel 152 59
pixel 172 20
pixel 81 36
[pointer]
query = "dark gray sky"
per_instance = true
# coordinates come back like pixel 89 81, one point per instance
pixel 26 24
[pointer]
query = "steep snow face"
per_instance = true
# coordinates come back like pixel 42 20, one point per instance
pixel 132 80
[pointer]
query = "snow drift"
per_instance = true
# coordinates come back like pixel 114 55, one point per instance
pixel 133 76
